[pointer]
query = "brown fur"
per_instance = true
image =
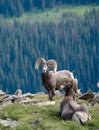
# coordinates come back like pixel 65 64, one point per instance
pixel 54 80
pixel 69 109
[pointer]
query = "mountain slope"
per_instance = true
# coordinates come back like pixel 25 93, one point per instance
pixel 17 8
pixel 71 39
pixel 54 14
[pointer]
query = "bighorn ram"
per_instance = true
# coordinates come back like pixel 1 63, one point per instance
pixel 54 80
pixel 69 109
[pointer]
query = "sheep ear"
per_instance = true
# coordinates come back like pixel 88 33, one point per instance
pixel 52 63
pixel 41 61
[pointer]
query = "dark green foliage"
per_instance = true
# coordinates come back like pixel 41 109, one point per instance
pixel 73 42
pixel 17 7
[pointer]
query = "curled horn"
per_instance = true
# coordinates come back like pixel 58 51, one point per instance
pixel 52 63
pixel 39 61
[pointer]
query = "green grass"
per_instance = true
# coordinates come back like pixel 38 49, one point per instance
pixel 54 13
pixel 27 114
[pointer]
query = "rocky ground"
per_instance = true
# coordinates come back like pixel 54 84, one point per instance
pixel 28 98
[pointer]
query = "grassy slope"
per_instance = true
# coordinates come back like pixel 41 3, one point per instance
pixel 55 13
pixel 26 115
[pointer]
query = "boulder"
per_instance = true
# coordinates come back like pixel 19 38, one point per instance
pixel 2 93
pixel 18 92
pixel 87 96
pixel 58 93
pixel 9 122
pixel 95 101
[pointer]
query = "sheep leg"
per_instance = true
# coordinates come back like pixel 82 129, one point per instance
pixel 53 93
pixel 50 94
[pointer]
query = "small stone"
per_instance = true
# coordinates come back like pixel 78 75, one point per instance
pixel 37 122
pixel 58 93
pixel 18 92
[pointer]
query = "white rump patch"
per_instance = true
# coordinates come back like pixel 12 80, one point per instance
pixel 83 116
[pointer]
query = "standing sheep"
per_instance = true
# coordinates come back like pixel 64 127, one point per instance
pixel 54 80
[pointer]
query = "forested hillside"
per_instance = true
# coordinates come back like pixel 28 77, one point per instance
pixel 73 42
pixel 18 7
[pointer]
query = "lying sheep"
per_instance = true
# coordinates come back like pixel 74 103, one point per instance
pixel 54 80
pixel 69 109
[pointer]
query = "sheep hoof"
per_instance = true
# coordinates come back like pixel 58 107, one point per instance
pixel 51 99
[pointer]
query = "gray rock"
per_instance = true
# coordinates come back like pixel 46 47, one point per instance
pixel 95 101
pixel 40 93
pixel 2 93
pixel 32 101
pixel 37 122
pixel 58 93
pixel 9 122
pixel 18 92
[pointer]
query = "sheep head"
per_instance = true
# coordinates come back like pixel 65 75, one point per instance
pixel 46 64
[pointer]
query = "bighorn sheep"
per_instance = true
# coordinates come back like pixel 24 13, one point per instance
pixel 69 109
pixel 53 80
